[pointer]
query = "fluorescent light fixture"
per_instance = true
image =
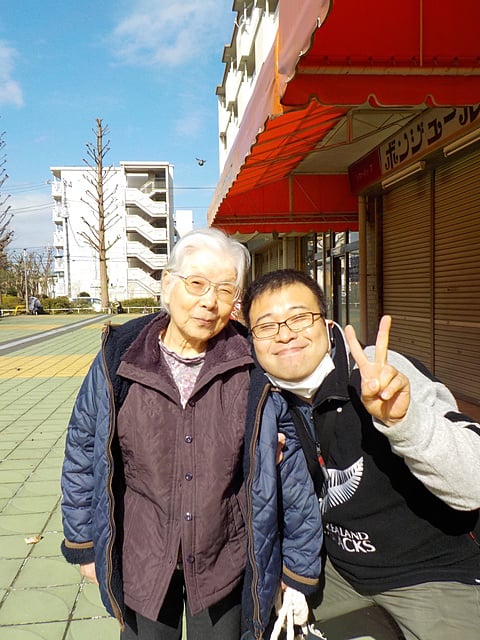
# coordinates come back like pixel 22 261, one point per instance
pixel 461 143
pixel 403 174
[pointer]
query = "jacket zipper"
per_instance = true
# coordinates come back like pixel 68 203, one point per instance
pixel 321 462
pixel 255 598
pixel 113 601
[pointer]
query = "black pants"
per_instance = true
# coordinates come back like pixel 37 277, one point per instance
pixel 219 622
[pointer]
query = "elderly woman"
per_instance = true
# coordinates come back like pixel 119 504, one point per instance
pixel 152 480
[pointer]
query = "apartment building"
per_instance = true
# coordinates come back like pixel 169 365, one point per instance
pixel 139 229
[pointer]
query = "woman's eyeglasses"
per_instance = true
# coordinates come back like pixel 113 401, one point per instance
pixel 199 286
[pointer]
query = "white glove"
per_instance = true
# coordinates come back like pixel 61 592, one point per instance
pixel 294 611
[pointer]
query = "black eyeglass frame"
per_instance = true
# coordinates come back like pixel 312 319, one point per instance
pixel 313 317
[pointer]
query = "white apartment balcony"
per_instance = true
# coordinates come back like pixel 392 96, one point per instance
pixel 135 197
pixel 143 228
pixel 141 285
pixel 247 36
pixel 154 185
pixel 57 189
pixel 58 239
pixel 57 213
pixel 232 87
pixel 153 261
pixel 59 264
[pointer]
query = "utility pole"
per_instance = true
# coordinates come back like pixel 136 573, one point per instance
pixel 25 277
pixel 67 245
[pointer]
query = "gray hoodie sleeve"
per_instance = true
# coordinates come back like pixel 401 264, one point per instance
pixel 439 445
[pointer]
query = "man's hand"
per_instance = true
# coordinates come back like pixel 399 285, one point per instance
pixel 88 572
pixel 385 391
pixel 280 444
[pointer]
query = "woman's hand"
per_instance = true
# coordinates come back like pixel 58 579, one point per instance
pixel 280 444
pixel 88 572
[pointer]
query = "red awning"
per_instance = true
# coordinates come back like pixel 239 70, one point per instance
pixel 300 203
pixel 412 54
pixel 284 141
pixel 362 52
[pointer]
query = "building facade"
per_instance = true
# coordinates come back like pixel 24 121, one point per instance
pixel 350 147
pixel 138 223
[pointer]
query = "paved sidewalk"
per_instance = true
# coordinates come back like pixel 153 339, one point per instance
pixel 41 595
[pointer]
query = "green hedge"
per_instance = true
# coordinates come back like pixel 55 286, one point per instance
pixel 10 302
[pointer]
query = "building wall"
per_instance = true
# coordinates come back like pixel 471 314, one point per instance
pixel 253 36
pixel 139 229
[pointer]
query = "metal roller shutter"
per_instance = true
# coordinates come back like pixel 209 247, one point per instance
pixel 269 260
pixel 457 276
pixel 407 267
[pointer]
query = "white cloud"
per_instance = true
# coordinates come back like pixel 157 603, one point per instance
pixel 32 219
pixel 10 90
pixel 166 33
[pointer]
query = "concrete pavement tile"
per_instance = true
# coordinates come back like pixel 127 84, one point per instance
pixel 41 488
pixel 40 438
pixel 55 521
pixel 38 605
pixel 28 453
pixel 45 631
pixel 16 465
pixel 23 524
pixel 14 546
pixel 14 475
pixel 104 628
pixel 31 504
pixel 9 567
pixel 49 545
pixel 47 573
pixel 89 603
pixel 46 473
pixel 10 489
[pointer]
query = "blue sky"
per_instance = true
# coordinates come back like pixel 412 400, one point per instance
pixel 148 68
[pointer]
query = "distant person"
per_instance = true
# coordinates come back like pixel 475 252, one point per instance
pixel 31 305
pixel 35 307
pixel 392 459
pixel 152 478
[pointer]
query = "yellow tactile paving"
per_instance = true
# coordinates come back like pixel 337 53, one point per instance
pixel 58 366
pixel 33 327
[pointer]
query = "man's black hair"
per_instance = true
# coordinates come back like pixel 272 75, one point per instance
pixel 277 280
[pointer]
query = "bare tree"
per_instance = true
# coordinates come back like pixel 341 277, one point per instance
pixel 6 234
pixel 102 202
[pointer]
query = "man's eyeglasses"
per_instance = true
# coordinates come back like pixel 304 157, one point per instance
pixel 294 323
pixel 199 286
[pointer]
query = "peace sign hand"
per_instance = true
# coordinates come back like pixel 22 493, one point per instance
pixel 385 391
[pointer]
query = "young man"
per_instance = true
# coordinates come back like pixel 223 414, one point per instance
pixel 392 460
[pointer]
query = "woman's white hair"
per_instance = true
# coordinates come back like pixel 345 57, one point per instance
pixel 217 242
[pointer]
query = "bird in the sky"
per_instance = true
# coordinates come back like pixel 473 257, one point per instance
pixel 200 162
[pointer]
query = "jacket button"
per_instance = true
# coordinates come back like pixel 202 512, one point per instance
pixel 190 558
pixel 188 476
pixel 188 516
pixel 188 439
